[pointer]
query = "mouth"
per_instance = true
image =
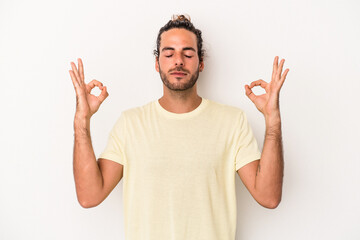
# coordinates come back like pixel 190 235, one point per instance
pixel 178 74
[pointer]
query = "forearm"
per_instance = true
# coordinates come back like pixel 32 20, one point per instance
pixel 269 175
pixel 87 175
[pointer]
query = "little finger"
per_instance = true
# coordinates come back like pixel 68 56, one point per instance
pixel 283 77
pixel 73 79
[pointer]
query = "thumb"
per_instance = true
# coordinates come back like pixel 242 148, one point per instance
pixel 249 93
pixel 103 95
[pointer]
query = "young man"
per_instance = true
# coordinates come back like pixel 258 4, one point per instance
pixel 179 154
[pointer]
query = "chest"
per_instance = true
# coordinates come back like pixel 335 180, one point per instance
pixel 169 147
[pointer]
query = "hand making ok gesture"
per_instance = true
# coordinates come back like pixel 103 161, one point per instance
pixel 86 103
pixel 268 103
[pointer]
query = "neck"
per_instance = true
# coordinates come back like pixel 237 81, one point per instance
pixel 180 101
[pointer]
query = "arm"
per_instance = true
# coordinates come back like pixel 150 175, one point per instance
pixel 94 180
pixel 264 178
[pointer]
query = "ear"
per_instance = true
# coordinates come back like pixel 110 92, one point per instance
pixel 157 64
pixel 201 66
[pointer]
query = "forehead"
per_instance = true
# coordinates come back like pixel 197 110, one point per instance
pixel 178 38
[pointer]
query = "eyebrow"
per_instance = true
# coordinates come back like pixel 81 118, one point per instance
pixel 184 49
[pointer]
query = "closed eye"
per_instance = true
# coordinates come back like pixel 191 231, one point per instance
pixel 184 55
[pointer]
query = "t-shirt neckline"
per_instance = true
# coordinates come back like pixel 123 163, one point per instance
pixel 173 115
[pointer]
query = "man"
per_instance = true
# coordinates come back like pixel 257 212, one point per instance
pixel 179 154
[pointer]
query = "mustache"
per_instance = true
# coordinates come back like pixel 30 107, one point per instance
pixel 179 69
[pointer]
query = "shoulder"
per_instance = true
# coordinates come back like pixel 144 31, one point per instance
pixel 225 110
pixel 129 116
pixel 138 111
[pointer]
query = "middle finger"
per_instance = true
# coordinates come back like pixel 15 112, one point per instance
pixel 81 69
pixel 275 67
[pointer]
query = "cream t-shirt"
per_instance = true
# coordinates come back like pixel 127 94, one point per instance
pixel 179 170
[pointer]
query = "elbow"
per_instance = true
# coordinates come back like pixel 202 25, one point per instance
pixel 87 203
pixel 269 198
pixel 89 199
pixel 271 203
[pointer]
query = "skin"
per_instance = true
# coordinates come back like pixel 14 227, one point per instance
pixel 264 178
pixel 95 179
pixel 178 52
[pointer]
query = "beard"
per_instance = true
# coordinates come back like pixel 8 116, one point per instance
pixel 179 86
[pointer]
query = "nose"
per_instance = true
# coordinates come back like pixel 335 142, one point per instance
pixel 179 60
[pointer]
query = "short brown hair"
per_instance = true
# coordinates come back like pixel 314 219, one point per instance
pixel 181 21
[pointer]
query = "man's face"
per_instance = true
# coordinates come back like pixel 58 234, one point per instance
pixel 178 61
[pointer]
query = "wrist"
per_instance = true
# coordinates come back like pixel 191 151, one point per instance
pixel 81 117
pixel 272 119
pixel 81 126
pixel 273 124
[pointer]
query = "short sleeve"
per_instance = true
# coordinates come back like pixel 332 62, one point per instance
pixel 246 146
pixel 114 149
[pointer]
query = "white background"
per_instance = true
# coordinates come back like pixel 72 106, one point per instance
pixel 320 107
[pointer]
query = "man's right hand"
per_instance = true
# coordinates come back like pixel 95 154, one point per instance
pixel 86 104
pixel 94 180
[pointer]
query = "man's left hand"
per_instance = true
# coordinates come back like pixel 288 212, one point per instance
pixel 268 103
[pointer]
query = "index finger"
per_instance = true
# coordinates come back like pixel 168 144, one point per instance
pixel 92 84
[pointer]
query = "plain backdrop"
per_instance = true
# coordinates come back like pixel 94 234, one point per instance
pixel 319 104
